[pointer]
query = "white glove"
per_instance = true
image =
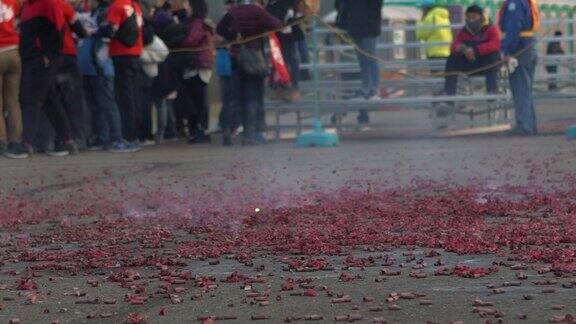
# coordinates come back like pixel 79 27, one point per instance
pixel 512 65
pixel 504 71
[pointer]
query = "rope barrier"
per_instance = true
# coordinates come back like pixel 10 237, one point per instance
pixel 239 41
pixel 342 35
pixel 487 67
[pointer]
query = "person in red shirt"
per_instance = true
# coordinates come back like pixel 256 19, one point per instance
pixel 10 71
pixel 125 28
pixel 41 30
pixel 69 80
pixel 476 46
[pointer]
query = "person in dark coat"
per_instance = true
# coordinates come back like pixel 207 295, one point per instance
pixel 553 48
pixel 247 19
pixel 41 41
pixel 362 19
pixel 285 11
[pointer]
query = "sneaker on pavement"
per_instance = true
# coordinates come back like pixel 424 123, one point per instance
pixel 96 146
pixel 260 138
pixel 63 149
pixel 374 97
pixel 17 151
pixel 147 142
pixel 135 146
pixel 120 147
pixel 200 139
pixel 249 141
pixel 159 139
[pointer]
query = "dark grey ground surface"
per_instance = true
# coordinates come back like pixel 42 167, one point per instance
pixel 495 160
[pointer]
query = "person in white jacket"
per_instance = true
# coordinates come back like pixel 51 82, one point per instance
pixel 154 53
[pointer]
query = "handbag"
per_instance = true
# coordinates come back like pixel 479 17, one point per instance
pixel 250 60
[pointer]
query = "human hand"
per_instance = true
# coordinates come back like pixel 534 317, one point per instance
pixel 512 64
pixel 470 54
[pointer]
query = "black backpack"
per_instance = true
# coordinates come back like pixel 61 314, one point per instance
pixel 128 31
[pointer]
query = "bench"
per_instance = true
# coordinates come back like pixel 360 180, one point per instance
pixel 339 78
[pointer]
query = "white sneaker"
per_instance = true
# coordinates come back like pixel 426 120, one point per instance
pixel 147 143
pixel 375 97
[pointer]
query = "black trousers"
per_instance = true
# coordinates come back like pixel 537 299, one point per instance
pixel 461 63
pixel 126 69
pixel 248 97
pixel 39 94
pixel 69 85
pixel 552 71
pixel 145 106
pixel 195 96
pixel 290 54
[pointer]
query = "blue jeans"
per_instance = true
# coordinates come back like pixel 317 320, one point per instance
pixel 303 51
pixel 521 82
pixel 369 67
pixel 106 123
pixel 165 123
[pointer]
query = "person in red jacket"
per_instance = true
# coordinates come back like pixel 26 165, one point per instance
pixel 69 77
pixel 10 71
pixel 125 28
pixel 41 29
pixel 68 82
pixel 476 48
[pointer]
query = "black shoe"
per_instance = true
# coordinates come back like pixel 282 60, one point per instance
pixel 200 139
pixel 226 137
pixel 249 141
pixel 64 149
pixel 363 117
pixel 96 145
pixel 260 138
pixel 17 151
pixel 520 132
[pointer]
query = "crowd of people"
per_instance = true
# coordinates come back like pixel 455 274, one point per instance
pixel 484 47
pixel 90 75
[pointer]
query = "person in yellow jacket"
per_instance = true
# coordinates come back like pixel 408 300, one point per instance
pixel 428 31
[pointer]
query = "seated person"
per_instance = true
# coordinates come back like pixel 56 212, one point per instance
pixel 476 48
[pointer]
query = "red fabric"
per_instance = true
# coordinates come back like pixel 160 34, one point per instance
pixel 69 46
pixel 8 11
pixel 49 9
pixel 486 42
pixel 118 12
pixel 280 75
pixel 200 36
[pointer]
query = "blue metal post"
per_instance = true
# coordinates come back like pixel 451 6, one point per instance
pixel 316 75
